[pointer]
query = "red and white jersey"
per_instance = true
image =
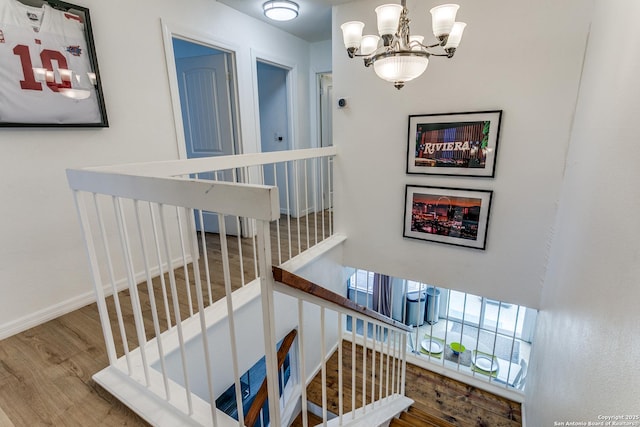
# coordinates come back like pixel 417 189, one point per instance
pixel 38 49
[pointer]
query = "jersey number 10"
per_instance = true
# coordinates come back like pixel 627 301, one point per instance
pixel 47 57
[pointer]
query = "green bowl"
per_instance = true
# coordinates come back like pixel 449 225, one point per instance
pixel 457 348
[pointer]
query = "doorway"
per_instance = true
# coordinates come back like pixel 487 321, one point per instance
pixel 325 134
pixel 207 88
pixel 274 111
pixel 325 83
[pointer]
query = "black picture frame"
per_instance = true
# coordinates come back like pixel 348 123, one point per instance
pixel 45 96
pixel 453 216
pixel 454 144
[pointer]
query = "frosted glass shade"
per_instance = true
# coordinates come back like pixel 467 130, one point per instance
pixel 443 18
pixel 369 44
pixel 418 39
pixel 400 68
pixel 455 35
pixel 352 34
pixel 280 10
pixel 388 18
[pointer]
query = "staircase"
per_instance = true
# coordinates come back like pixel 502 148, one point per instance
pixel 416 417
pixel 312 419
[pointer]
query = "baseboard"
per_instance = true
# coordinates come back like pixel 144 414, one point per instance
pixel 49 313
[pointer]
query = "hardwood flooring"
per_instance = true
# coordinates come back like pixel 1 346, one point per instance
pixel 45 375
pixel 45 372
pixel 456 403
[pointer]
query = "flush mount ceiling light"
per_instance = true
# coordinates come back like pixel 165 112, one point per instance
pixel 402 57
pixel 280 10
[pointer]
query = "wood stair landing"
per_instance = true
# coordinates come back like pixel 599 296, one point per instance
pixel 312 419
pixel 450 401
pixel 415 417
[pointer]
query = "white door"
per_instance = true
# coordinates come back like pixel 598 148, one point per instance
pixel 273 94
pixel 207 116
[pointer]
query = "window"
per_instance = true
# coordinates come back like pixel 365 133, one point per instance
pixel 250 383
pixel 499 331
pixel 361 280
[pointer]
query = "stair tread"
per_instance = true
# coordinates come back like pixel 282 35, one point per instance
pixel 397 422
pixel 312 419
pixel 417 421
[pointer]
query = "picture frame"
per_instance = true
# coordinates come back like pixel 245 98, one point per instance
pixel 50 68
pixel 452 216
pixel 454 144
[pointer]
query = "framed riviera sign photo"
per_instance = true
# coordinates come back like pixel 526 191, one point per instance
pixel 462 144
pixel 48 67
pixel 447 215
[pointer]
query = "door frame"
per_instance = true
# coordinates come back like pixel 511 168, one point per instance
pixel 316 76
pixel 292 90
pixel 171 31
pixel 292 112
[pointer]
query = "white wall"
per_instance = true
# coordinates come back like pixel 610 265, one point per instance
pixel 43 268
pixel 321 57
pixel 518 56
pixel 587 344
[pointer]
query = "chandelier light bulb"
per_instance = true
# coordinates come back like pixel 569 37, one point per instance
pixel 455 36
pixel 388 18
pixel 352 34
pixel 443 18
pixel 369 44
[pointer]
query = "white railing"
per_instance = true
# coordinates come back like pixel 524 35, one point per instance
pixel 374 384
pixel 158 280
pixel 490 330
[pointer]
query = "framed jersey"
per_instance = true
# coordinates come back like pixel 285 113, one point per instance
pixel 48 67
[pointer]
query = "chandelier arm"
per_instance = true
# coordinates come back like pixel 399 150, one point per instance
pixel 430 46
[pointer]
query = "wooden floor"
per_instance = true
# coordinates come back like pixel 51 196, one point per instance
pixel 453 401
pixel 45 372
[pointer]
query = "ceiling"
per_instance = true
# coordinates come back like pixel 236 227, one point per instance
pixel 313 23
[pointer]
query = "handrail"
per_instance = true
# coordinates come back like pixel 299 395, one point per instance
pixel 302 284
pixel 168 168
pixel 254 411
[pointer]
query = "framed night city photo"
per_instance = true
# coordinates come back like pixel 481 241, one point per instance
pixel 49 71
pixel 447 215
pixel 463 144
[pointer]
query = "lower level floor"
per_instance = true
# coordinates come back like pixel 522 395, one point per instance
pixel 45 379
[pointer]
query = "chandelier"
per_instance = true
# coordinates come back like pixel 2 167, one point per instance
pixel 402 57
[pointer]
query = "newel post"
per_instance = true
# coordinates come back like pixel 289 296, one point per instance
pixel 268 319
